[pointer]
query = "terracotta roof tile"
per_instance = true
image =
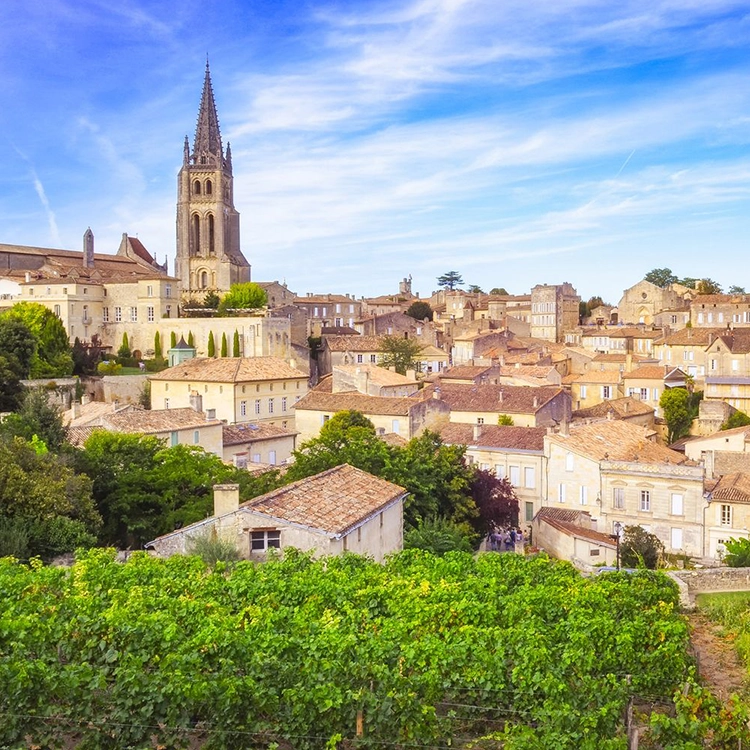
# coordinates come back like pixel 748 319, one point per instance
pixel 334 501
pixel 231 370
pixel 508 399
pixel 734 488
pixel 237 434
pixel 157 420
pixel 616 440
pixel 354 343
pixel 378 375
pixel 608 377
pixel 495 436
pixel 693 336
pixel 622 408
pixel 334 402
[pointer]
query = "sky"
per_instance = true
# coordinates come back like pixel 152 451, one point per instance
pixel 514 142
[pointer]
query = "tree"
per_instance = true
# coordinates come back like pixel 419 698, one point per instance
pixel 662 277
pixel 247 296
pixel 211 344
pixel 585 308
pixel 17 345
pixel 495 499
pixel 236 344
pixel 172 339
pixel 438 536
pixel 639 548
pixel 450 280
pixel 734 289
pixel 689 281
pixel 499 290
pixel 680 408
pixel 36 416
pixel 737 419
pixel 86 356
pixel 708 286
pixel 211 300
pixel 348 437
pixel 11 388
pixel 191 340
pixel 224 345
pixel 738 553
pixel 505 420
pixel 124 351
pixel 157 346
pixel 400 353
pixel 420 310
pixel 53 357
pixel 475 289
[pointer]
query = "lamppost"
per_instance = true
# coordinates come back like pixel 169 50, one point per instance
pixel 618 532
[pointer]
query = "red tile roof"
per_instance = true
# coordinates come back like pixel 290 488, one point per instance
pixel 507 399
pixel 494 436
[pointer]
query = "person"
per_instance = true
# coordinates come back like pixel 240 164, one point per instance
pixel 509 540
pixel 142 366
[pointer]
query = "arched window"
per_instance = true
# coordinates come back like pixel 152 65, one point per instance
pixel 196 233
pixel 211 248
pixel 204 279
pixel 209 187
pixel 197 187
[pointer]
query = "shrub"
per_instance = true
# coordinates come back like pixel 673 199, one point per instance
pixel 109 368
pixel 212 549
pixel 438 537
pixel 738 553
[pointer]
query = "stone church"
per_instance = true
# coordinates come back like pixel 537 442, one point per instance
pixel 208 225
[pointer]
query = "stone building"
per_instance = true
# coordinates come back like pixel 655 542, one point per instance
pixel 554 309
pixel 208 225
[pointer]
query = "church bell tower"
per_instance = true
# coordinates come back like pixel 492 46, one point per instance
pixel 208 225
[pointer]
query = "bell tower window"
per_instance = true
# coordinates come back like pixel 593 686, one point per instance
pixel 209 187
pixel 197 187
pixel 196 233
pixel 204 279
pixel 211 248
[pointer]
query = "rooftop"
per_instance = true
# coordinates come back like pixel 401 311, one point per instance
pixel 734 488
pixel 334 402
pixel 230 370
pixel 494 436
pixel 509 399
pixel 237 434
pixel 354 343
pixel 621 408
pixel 333 501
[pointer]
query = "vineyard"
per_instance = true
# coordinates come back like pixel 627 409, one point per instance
pixel 301 653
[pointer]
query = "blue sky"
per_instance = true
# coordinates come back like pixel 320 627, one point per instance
pixel 515 142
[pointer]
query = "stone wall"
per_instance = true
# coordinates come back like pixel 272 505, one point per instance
pixel 123 388
pixel 710 580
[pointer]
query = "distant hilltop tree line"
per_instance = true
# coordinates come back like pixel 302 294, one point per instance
pixel 240 297
pixel 663 277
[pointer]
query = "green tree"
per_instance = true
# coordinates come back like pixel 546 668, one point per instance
pixel 708 286
pixel 420 310
pixel 236 344
pixel 734 289
pixel 86 356
pixel 450 280
pixel 191 340
pixel 689 281
pixel 211 344
pixel 211 300
pixel 248 296
pixel 36 416
pixel 224 345
pixel 639 548
pixel 680 408
pixel 400 353
pixel 738 553
pixel 124 351
pixel 505 420
pixel 475 289
pixel 496 500
pixel 172 339
pixel 53 357
pixel 11 389
pixel 17 345
pixel 438 536
pixel 347 438
pixel 737 419
pixel 157 346
pixel 662 277
pixel 499 290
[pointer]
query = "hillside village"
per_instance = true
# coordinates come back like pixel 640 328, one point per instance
pixel 562 397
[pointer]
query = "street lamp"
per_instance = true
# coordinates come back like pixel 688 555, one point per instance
pixel 616 536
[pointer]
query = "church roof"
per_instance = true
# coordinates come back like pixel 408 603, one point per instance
pixel 207 142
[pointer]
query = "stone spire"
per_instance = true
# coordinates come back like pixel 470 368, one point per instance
pixel 186 152
pixel 207 148
pixel 228 160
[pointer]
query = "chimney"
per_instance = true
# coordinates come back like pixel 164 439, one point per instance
pixel 411 374
pixel 477 431
pixel 226 498
pixel 436 393
pixel 88 248
pixel 628 362
pixel 536 402
pixel 76 409
pixel 85 399
pixel 196 401
pixel 564 427
pixel 28 276
pixel 500 396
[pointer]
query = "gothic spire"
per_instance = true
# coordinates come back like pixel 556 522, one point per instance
pixel 228 160
pixel 207 147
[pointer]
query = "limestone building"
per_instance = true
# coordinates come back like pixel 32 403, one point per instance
pixel 208 225
pixel 554 310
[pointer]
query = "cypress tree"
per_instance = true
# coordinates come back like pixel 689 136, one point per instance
pixel 211 345
pixel 191 340
pixel 224 346
pixel 236 344
pixel 173 339
pixel 157 346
